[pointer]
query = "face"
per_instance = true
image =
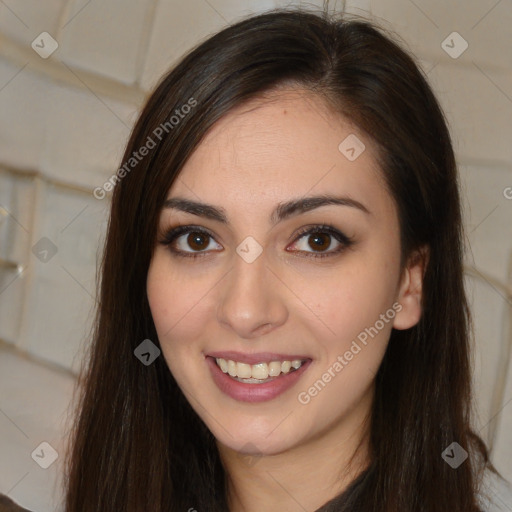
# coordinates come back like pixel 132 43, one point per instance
pixel 262 274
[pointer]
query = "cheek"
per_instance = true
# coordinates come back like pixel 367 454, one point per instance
pixel 353 350
pixel 162 300
pixel 352 298
pixel 178 307
pixel 173 297
pixel 356 305
pixel 160 296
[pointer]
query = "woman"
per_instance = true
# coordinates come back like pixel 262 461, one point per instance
pixel 282 320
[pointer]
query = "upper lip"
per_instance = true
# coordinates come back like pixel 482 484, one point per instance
pixel 256 358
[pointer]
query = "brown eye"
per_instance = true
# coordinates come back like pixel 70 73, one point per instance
pixel 197 241
pixel 319 241
pixel 323 240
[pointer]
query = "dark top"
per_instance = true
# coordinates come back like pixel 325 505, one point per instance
pixel 7 505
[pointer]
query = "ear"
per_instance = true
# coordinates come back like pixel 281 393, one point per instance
pixel 411 289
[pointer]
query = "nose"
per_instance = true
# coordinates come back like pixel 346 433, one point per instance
pixel 252 301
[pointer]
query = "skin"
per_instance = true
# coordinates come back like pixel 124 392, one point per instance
pixel 267 152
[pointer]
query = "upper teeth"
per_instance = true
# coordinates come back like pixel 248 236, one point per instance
pixel 257 371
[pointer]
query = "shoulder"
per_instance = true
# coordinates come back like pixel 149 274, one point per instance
pixel 7 505
pixel 495 493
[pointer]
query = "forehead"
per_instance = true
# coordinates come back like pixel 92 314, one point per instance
pixel 271 149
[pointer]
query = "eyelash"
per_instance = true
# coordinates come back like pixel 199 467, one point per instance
pixel 173 233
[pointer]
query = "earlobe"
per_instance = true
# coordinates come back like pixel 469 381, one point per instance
pixel 410 291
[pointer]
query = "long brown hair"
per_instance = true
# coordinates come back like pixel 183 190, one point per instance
pixel 137 444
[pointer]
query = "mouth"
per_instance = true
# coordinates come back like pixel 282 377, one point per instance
pixel 264 380
pixel 258 373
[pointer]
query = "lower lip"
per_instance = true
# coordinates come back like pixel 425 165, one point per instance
pixel 254 392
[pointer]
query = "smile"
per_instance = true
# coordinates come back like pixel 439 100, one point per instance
pixel 255 382
pixel 257 373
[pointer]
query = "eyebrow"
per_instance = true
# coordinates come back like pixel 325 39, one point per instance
pixel 281 212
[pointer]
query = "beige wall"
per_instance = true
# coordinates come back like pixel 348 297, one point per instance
pixel 65 120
